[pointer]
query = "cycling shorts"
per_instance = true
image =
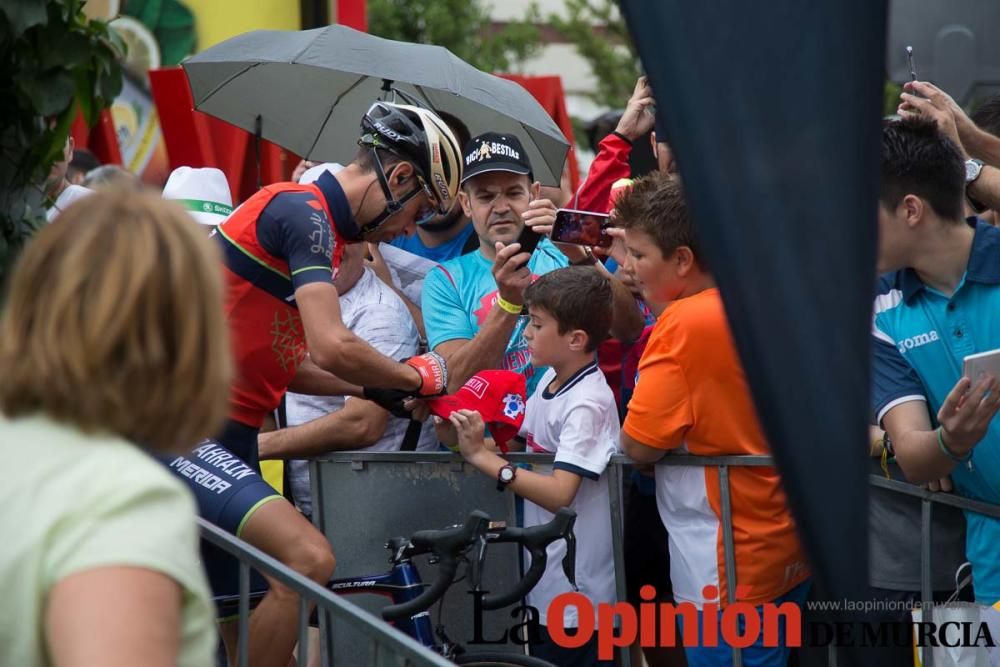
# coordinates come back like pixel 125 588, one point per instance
pixel 228 490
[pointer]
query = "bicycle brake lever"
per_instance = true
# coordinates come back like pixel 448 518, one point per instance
pixel 477 563
pixel 569 560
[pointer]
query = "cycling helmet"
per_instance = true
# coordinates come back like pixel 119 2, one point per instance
pixel 418 136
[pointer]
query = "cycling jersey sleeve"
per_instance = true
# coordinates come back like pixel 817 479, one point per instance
pixel 295 227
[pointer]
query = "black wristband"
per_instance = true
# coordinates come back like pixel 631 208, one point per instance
pixel 622 137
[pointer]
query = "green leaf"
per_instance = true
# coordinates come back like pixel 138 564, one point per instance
pixel 74 49
pixel 24 14
pixel 109 85
pixel 49 93
pixel 84 81
pixel 117 43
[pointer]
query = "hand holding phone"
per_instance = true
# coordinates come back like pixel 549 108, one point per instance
pixel 585 228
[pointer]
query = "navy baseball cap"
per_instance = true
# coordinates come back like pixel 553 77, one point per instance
pixel 495 152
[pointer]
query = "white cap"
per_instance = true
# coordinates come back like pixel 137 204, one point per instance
pixel 203 192
pixel 312 174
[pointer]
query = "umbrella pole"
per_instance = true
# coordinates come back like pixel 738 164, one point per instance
pixel 256 149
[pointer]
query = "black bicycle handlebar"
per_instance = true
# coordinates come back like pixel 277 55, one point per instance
pixel 536 539
pixel 446 545
pixel 449 544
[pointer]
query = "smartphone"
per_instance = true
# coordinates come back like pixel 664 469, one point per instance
pixel 977 365
pixel 909 62
pixel 528 239
pixel 582 228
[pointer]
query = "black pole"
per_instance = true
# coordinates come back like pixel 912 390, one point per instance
pixel 256 150
pixel 314 13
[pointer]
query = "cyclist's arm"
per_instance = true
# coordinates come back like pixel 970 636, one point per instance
pixel 357 425
pixel 313 380
pixel 333 347
pixel 114 617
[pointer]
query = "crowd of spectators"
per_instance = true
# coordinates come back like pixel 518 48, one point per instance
pixel 114 342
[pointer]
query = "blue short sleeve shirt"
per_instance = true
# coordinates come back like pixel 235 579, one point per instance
pixel 920 338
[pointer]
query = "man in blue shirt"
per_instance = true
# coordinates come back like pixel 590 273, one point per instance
pixel 448 235
pixel 472 304
pixel 939 303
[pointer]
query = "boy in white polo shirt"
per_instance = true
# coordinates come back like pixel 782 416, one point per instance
pixel 572 414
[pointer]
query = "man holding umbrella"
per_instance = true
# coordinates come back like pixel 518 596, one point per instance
pixel 281 249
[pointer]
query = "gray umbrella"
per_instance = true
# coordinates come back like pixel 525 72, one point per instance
pixel 310 88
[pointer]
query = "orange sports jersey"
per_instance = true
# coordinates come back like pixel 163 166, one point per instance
pixel 285 236
pixel 692 395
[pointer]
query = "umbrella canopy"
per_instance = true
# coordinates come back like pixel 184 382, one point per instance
pixel 310 89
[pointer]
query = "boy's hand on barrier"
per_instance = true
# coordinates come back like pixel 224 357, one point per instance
pixel 943 485
pixel 471 429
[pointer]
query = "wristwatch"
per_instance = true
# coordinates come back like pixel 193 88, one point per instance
pixel 505 476
pixel 973 168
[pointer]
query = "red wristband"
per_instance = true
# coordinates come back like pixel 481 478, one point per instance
pixel 433 373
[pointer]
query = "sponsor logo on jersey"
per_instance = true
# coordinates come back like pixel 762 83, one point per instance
pixel 917 341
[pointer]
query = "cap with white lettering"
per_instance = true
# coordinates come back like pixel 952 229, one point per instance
pixel 495 152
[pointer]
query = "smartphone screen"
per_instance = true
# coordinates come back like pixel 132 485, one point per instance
pixel 582 228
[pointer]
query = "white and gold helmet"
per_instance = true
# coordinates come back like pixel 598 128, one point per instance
pixel 418 136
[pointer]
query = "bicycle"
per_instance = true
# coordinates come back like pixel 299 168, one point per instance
pixel 448 548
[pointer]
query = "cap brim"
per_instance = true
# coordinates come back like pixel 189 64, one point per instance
pixel 208 219
pixel 508 167
pixel 443 406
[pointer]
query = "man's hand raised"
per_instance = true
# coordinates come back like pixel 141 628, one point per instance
pixel 638 119
pixel 966 414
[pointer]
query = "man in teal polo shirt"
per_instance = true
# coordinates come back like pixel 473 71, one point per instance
pixel 472 304
pixel 939 303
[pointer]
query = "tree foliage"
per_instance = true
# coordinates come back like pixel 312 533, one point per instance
pixel 53 60
pixel 462 26
pixel 598 30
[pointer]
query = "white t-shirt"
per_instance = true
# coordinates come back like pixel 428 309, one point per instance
pixel 75 502
pixel 375 314
pixel 579 424
pixel 69 195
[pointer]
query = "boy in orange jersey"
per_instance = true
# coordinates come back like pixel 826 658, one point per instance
pixel 691 395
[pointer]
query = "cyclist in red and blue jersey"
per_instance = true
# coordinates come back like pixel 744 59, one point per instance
pixel 281 249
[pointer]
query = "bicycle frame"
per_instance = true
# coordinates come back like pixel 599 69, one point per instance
pixel 402 583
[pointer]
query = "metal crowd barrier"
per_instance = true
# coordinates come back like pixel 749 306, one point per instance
pixel 390 647
pixel 324 494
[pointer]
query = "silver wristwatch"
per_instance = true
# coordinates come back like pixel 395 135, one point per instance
pixel 973 168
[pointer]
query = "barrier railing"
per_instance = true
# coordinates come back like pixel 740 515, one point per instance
pixel 382 636
pixel 411 650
